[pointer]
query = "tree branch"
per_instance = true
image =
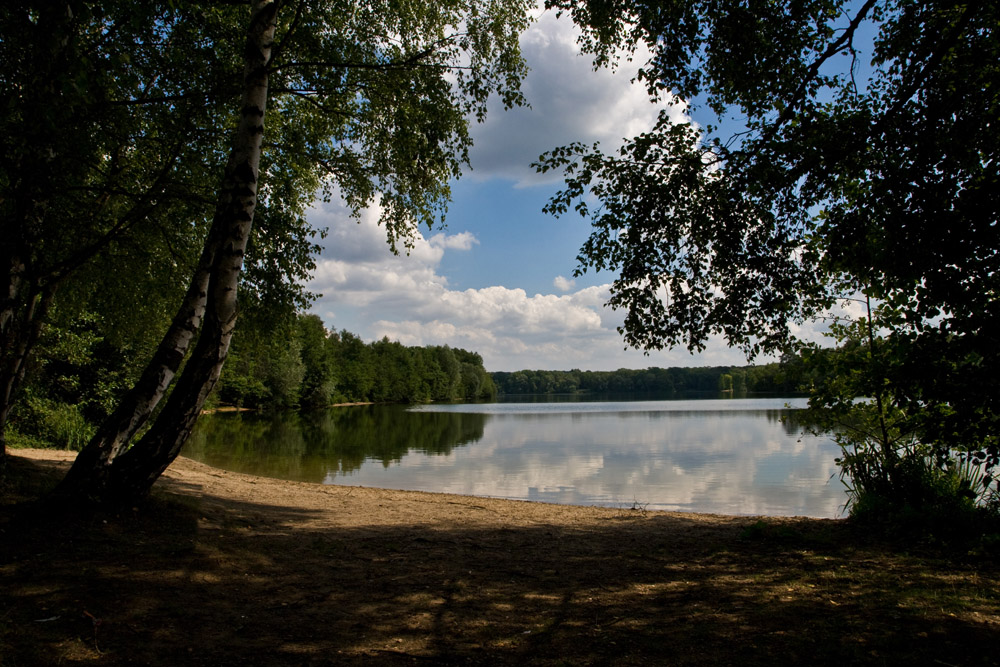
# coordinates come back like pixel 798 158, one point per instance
pixel 835 47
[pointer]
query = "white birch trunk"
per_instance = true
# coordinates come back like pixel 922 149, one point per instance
pixel 108 471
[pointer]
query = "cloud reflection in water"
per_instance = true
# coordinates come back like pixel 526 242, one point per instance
pixel 731 457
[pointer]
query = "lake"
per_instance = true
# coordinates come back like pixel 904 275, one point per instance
pixel 730 456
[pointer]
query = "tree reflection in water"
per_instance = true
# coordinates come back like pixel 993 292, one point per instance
pixel 311 446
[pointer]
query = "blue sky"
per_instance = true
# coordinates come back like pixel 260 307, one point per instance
pixel 499 278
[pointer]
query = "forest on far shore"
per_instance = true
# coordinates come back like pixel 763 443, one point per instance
pixel 305 365
pixel 315 367
pixel 787 377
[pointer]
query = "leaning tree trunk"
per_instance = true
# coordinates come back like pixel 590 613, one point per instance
pixel 105 470
pixel 92 467
pixel 28 290
pixel 21 320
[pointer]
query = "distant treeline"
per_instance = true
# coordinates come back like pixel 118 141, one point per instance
pixel 311 367
pixel 778 378
pixel 306 366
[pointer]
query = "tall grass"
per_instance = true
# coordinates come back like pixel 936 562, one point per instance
pixel 912 492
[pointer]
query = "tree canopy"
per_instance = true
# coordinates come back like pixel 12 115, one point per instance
pixel 852 153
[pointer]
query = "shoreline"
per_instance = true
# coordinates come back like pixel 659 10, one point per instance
pixel 187 477
pixel 191 474
pixel 233 408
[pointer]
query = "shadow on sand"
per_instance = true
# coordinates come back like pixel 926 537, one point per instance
pixel 184 583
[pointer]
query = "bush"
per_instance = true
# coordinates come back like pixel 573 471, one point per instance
pixel 915 496
pixel 41 422
pixel 242 391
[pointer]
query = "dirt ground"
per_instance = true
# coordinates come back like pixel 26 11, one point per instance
pixel 227 569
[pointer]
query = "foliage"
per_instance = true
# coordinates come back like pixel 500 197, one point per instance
pixel 318 372
pixel 894 473
pixel 113 122
pixel 44 422
pixel 74 381
pixel 299 365
pixel 864 164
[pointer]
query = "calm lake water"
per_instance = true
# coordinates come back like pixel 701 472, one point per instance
pixel 731 456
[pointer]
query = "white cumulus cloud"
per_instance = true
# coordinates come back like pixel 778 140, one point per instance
pixel 460 241
pixel 569 102
pixel 563 284
pixel 373 293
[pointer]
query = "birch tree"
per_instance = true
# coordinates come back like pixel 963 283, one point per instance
pixel 367 101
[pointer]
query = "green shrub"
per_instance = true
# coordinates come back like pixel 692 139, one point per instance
pixel 242 391
pixel 914 495
pixel 42 422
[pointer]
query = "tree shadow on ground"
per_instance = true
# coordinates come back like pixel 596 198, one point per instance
pixel 186 583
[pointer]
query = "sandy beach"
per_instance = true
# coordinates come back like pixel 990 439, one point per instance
pixel 221 568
